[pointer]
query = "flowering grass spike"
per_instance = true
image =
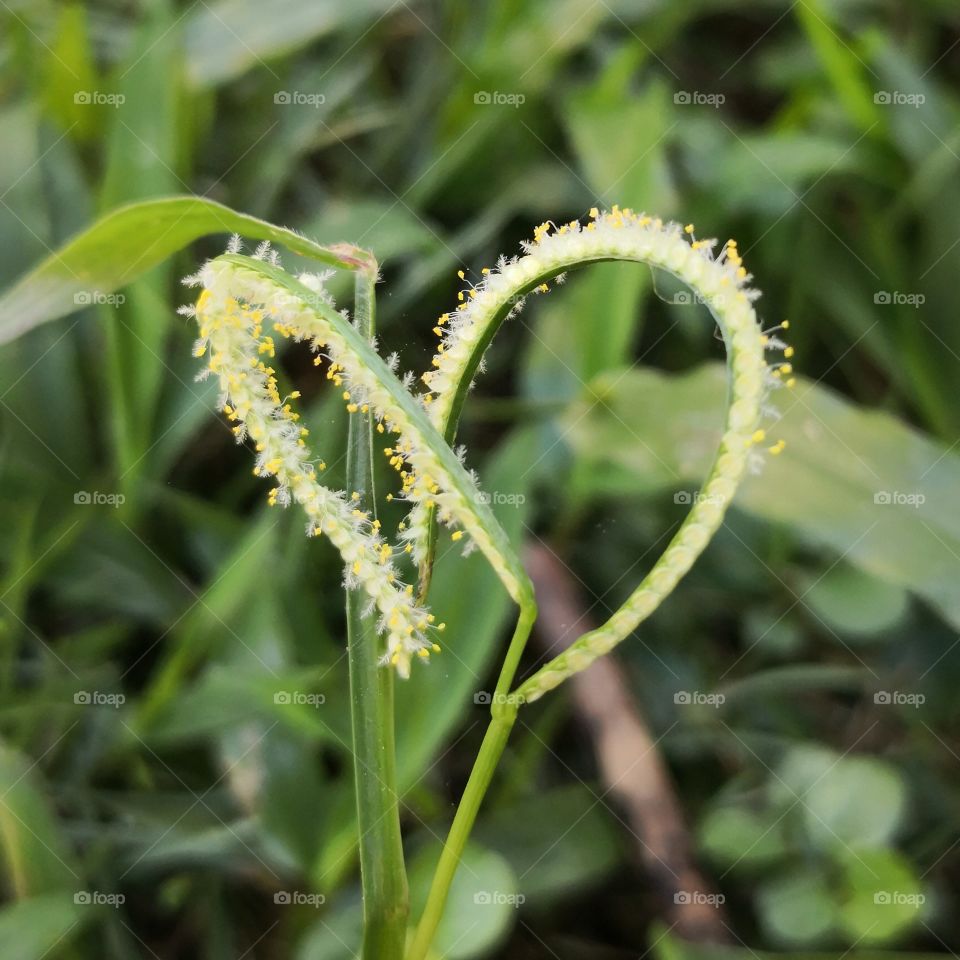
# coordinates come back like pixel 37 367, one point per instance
pixel 720 280
pixel 237 336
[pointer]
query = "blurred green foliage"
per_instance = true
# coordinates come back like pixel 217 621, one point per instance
pixel 173 714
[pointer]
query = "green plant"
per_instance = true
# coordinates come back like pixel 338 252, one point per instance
pixel 811 600
pixel 248 303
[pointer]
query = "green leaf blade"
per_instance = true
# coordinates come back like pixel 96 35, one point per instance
pixel 126 243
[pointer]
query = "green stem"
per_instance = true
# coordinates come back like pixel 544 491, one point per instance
pixel 504 713
pixel 384 881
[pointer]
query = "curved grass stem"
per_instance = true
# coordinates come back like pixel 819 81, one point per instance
pixel 504 713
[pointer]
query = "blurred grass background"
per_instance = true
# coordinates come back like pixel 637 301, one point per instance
pixel 173 714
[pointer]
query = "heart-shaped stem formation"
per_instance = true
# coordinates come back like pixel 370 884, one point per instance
pixel 248 302
pixel 721 283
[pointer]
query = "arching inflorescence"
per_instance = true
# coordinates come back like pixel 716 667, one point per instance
pixel 238 324
pixel 720 281
pixel 247 302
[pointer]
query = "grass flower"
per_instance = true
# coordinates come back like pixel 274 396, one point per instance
pixel 720 280
pixel 294 310
pixel 238 326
